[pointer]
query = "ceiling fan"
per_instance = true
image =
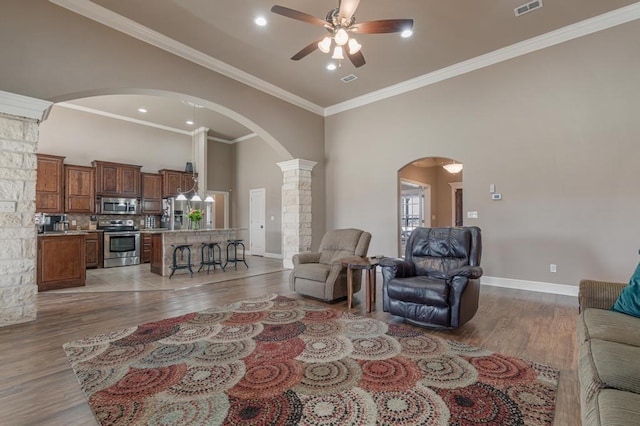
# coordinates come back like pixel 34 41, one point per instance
pixel 341 24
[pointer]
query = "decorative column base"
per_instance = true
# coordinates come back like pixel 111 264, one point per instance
pixel 296 208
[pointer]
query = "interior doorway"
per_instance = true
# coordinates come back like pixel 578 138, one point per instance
pixel 257 233
pixel 429 195
pixel 415 208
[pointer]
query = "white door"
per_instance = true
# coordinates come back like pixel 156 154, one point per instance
pixel 256 221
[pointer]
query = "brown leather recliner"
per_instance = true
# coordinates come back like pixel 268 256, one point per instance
pixel 321 274
pixel 437 285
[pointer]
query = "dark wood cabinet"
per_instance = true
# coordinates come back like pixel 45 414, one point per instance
pixel 61 261
pixel 94 250
pixel 49 183
pixel 151 193
pixel 117 179
pixel 79 189
pixel 157 259
pixel 174 181
pixel 146 247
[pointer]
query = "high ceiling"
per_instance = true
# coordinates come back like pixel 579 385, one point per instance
pixel 445 33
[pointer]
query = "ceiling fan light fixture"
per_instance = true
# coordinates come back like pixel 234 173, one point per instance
pixel 354 46
pixel 341 37
pixel 453 168
pixel 325 45
pixel 337 53
pixel 406 33
pixel 331 66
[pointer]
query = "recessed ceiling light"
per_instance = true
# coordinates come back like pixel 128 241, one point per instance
pixel 331 66
pixel 142 110
pixel 406 33
pixel 189 122
pixel 260 21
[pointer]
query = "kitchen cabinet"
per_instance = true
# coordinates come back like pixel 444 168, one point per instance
pixel 151 193
pixel 94 250
pixel 117 179
pixel 174 181
pixel 61 261
pixel 49 183
pixel 79 189
pixel 157 258
pixel 146 247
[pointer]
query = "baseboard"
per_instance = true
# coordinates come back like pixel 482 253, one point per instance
pixel 273 255
pixel 542 287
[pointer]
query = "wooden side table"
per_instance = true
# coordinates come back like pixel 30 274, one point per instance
pixel 369 266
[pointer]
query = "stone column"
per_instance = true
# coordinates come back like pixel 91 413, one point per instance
pixel 19 117
pixel 296 208
pixel 199 148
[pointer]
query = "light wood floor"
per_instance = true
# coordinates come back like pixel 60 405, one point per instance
pixel 37 385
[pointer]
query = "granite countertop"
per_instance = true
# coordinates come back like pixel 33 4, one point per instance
pixel 63 233
pixel 165 230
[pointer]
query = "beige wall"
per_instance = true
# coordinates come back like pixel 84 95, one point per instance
pixel 54 54
pixel 83 137
pixel 257 169
pixel 556 131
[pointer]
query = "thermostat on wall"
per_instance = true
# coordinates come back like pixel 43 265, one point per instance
pixel 496 196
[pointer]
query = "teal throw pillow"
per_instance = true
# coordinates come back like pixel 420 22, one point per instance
pixel 629 300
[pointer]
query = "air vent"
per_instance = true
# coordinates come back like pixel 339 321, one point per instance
pixel 349 78
pixel 528 7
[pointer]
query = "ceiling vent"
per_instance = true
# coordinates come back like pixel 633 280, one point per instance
pixel 349 78
pixel 528 7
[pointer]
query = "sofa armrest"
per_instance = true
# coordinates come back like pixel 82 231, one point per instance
pixel 396 268
pixel 306 257
pixel 598 294
pixel 471 272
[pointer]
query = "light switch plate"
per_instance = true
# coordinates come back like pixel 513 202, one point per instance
pixel 7 206
pixel 472 215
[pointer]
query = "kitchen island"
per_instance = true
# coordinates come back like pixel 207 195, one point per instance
pixel 163 240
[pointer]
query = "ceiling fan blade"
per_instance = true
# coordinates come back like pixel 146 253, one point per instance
pixel 357 59
pixel 348 8
pixel 300 16
pixel 383 26
pixel 307 50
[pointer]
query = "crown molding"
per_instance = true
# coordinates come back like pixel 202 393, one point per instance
pixel 118 22
pixel 149 123
pixel 106 17
pixel 24 106
pixel 570 32
pixel 123 118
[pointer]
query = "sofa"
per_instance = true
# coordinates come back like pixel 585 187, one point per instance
pixel 609 357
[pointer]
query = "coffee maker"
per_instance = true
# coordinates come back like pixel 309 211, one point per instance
pixel 53 223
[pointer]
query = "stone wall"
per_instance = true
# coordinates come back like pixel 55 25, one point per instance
pixel 296 208
pixel 18 290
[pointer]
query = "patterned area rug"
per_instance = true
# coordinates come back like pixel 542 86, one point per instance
pixel 278 361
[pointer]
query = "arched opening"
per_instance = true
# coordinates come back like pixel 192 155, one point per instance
pixel 429 195
pixel 241 155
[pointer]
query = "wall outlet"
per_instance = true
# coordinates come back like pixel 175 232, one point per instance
pixel 552 267
pixel 492 188
pixel 73 223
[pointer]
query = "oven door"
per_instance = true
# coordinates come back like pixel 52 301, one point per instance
pixel 121 248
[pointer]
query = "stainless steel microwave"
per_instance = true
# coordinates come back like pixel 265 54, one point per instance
pixel 119 206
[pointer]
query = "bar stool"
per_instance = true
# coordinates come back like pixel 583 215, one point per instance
pixel 210 258
pixel 235 259
pixel 181 248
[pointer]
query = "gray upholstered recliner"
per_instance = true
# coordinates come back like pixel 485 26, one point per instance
pixel 321 274
pixel 437 284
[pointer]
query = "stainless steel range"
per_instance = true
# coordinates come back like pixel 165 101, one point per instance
pixel 121 242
